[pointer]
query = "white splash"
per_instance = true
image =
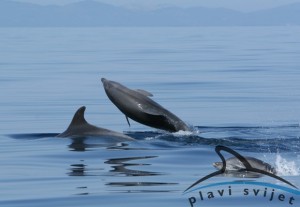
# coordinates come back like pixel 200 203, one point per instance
pixel 286 168
pixel 182 133
pixel 194 131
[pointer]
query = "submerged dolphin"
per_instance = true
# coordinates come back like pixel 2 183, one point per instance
pixel 137 105
pixel 79 127
pixel 233 164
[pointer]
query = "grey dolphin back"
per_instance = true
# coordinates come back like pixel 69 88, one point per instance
pixel 80 127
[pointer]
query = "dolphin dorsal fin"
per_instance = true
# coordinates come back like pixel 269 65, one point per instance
pixel 143 92
pixel 78 118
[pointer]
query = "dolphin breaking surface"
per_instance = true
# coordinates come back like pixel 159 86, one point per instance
pixel 79 127
pixel 137 105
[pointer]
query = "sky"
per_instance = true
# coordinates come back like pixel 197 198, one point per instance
pixel 240 5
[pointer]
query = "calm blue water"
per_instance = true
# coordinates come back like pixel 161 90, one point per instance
pixel 236 86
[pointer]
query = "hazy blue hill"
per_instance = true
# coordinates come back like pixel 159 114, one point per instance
pixel 284 15
pixel 92 13
pixel 197 16
pixel 85 13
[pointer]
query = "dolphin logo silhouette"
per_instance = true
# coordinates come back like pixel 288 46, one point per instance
pixel 247 165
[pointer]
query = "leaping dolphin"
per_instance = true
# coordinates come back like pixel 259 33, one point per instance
pixel 137 105
pixel 79 127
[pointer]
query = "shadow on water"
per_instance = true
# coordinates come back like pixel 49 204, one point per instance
pixel 120 166
pixel 82 169
pixel 33 135
pixel 82 144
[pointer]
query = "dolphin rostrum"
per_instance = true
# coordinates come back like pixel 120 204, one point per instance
pixel 233 164
pixel 79 127
pixel 137 105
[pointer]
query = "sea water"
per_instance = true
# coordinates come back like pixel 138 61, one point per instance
pixel 235 86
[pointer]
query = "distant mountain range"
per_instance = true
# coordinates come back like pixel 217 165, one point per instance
pixel 90 13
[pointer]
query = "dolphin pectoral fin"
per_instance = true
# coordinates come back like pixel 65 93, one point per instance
pixel 154 114
pixel 143 92
pixel 127 120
